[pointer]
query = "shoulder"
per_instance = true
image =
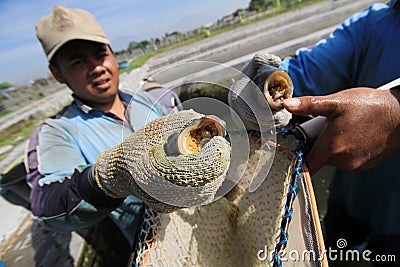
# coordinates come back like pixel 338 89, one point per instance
pixel 69 113
pixel 375 19
pixel 62 123
pixel 166 97
pixel 372 14
pixel 148 102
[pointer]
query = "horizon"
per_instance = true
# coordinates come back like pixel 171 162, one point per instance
pixel 23 59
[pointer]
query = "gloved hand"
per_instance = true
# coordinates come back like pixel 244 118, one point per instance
pixel 261 85
pixel 175 161
pixel 259 61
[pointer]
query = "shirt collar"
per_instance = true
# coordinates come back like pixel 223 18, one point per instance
pixel 125 97
pixel 82 106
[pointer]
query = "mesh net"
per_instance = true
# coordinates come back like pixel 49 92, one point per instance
pixel 241 229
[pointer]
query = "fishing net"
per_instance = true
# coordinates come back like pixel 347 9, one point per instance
pixel 243 228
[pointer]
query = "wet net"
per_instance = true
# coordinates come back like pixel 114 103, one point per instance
pixel 243 228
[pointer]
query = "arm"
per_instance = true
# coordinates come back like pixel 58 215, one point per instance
pixel 56 198
pixel 138 166
pixel 362 127
pixel 332 64
pixel 60 159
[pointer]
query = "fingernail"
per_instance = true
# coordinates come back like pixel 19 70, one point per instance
pixel 292 102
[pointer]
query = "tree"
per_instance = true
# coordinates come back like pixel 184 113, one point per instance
pixel 5 85
pixel 262 5
pixel 132 46
pixel 139 45
pixel 143 45
pixel 256 5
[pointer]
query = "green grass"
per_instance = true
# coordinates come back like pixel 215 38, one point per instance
pixel 8 112
pixel 142 59
pixel 16 102
pixel 139 61
pixel 20 130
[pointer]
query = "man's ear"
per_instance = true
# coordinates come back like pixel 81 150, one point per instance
pixel 56 73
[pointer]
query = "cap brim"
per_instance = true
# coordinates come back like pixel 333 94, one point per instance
pixel 66 39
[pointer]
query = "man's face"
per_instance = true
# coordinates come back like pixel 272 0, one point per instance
pixel 89 69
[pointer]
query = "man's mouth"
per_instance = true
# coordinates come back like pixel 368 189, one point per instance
pixel 101 84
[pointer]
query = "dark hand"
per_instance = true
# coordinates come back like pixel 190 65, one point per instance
pixel 179 160
pixel 362 127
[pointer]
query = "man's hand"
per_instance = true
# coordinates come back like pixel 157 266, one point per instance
pixel 362 127
pixel 251 99
pixel 179 160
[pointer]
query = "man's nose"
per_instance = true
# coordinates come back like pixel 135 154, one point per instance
pixel 95 65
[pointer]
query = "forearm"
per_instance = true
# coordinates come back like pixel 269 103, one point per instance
pixel 72 204
pixel 90 191
pixel 332 64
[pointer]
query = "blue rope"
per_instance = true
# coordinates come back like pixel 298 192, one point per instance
pixel 288 214
pixel 284 237
pixel 284 132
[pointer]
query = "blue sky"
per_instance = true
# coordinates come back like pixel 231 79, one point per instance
pixel 123 21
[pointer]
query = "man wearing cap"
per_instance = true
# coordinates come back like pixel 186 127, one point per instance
pixel 63 149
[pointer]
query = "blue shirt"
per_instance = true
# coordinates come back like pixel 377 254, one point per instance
pixel 362 52
pixel 62 147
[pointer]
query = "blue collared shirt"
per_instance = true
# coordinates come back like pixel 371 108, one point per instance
pixel 63 146
pixel 362 52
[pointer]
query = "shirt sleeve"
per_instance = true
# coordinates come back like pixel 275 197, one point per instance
pixel 166 97
pixel 62 194
pixel 330 65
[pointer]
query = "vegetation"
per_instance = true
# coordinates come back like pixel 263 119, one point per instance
pixel 262 5
pixel 268 7
pixel 22 130
pixel 139 45
pixel 139 61
pixel 18 131
pixel 5 85
pixel 20 97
